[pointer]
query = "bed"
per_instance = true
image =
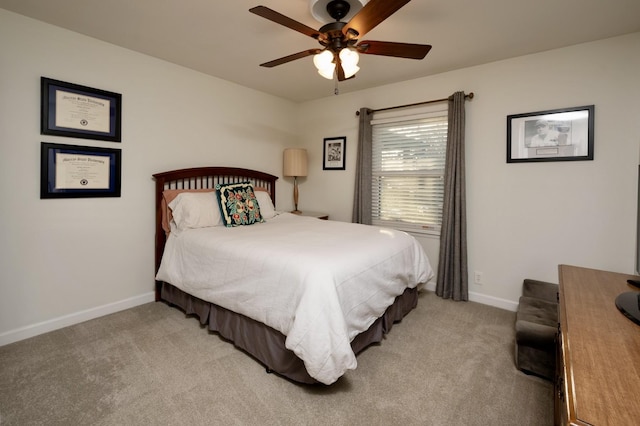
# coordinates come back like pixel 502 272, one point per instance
pixel 301 295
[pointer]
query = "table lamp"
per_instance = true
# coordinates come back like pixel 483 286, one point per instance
pixel 295 164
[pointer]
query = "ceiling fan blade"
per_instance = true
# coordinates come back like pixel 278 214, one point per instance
pixel 290 58
pixel 388 48
pixel 279 18
pixel 370 16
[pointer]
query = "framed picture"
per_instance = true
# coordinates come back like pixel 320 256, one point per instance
pixel 72 171
pixel 79 111
pixel 333 153
pixel 556 135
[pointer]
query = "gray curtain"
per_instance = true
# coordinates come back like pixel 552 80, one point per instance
pixel 362 193
pixel 452 265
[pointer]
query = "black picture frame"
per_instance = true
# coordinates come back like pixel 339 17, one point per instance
pixel 76 111
pixel 74 171
pixel 568 135
pixel 334 152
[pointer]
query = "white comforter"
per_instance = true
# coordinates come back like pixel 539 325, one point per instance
pixel 320 283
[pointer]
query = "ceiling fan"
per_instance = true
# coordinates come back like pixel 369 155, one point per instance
pixel 340 40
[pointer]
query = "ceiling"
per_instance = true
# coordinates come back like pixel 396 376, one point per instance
pixel 222 39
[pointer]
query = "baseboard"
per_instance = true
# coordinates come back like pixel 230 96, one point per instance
pixel 74 318
pixel 484 299
pixel 493 301
pixel 89 314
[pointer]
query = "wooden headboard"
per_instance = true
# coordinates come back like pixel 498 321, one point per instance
pixel 201 178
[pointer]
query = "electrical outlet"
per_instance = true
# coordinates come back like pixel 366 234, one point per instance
pixel 477 277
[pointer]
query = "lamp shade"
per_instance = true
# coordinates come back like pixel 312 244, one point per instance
pixel 349 58
pixel 295 162
pixel 325 64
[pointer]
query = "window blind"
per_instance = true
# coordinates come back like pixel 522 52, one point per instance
pixel 408 171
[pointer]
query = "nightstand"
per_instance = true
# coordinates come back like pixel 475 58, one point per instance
pixel 319 215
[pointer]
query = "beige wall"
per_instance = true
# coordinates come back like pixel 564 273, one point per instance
pixel 523 219
pixel 64 261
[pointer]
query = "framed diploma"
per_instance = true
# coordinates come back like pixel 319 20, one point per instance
pixel 72 171
pixel 79 111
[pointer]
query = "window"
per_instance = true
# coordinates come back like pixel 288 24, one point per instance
pixel 408 171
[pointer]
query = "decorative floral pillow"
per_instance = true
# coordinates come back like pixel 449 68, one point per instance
pixel 238 204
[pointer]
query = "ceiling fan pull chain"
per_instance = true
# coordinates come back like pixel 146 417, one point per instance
pixel 336 91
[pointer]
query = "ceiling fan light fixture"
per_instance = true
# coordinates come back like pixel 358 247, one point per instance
pixel 327 72
pixel 349 59
pixel 321 14
pixel 339 39
pixel 325 64
pixel 350 71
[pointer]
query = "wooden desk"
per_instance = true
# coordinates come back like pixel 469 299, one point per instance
pixel 599 351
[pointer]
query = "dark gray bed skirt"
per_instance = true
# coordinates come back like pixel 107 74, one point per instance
pixel 267 344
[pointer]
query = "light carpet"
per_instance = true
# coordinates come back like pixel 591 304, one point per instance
pixel 446 363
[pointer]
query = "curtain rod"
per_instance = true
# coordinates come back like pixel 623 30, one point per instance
pixel 466 96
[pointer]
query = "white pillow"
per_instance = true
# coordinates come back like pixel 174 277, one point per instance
pixel 267 210
pixel 195 210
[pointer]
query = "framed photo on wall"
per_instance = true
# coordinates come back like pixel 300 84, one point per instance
pixel 556 135
pixel 333 153
pixel 73 171
pixel 78 111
